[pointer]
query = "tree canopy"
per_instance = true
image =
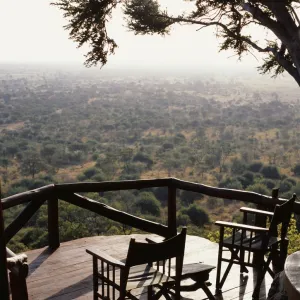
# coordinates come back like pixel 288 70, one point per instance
pixel 232 18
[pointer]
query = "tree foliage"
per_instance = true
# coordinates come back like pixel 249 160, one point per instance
pixel 232 18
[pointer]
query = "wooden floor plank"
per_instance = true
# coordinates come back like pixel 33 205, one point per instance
pixel 67 272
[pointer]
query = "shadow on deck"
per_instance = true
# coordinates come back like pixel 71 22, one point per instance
pixel 67 272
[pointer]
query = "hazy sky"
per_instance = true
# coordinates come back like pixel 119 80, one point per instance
pixel 32 31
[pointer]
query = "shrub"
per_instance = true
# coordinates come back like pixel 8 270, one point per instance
pixel 167 146
pixel 269 183
pixel 188 197
pixel 270 172
pixel 144 158
pixel 255 167
pixel 291 180
pixel 258 188
pixel 246 179
pixel 198 215
pixel 231 183
pixel 90 172
pixel 99 177
pixel 237 166
pixel 183 219
pixel 296 189
pixel 296 170
pixel 213 202
pixel 285 186
pixel 147 203
pixel 161 193
pixel 249 175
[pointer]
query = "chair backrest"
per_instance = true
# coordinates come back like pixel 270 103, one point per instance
pixel 282 216
pixel 145 253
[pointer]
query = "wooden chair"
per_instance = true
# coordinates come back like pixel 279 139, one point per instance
pixel 198 272
pixel 121 281
pixel 259 241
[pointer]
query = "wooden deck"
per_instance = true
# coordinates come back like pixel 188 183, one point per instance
pixel 67 272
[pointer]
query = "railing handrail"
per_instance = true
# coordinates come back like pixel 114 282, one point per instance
pixel 105 186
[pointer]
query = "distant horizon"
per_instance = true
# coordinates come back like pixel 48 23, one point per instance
pixel 135 68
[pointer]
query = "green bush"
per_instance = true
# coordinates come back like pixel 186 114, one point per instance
pixel 296 189
pixel 99 177
pixel 258 188
pixel 198 215
pixel 183 219
pixel 231 183
pixel 285 186
pixel 255 167
pixel 188 197
pixel 269 183
pixel 144 158
pixel 238 166
pixel 90 172
pixel 213 202
pixel 296 170
pixel 148 204
pixel 291 180
pixel 270 172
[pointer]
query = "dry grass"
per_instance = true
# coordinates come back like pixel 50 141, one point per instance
pixel 155 132
pixel 212 134
pixel 72 172
pixel 188 134
pixel 91 100
pixel 268 134
pixel 12 126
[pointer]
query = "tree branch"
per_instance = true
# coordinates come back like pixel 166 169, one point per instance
pixel 215 23
pixel 287 65
pixel 266 21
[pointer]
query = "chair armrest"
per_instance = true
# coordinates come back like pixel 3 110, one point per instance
pixel 106 258
pixel 241 226
pixel 150 241
pixel 155 240
pixel 256 211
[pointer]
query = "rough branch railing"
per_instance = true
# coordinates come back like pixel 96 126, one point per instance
pixel 69 193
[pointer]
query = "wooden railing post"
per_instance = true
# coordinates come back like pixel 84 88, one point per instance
pixel 53 228
pixel 4 289
pixel 172 210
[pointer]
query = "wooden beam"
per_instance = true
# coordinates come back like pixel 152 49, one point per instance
pixel 4 288
pixel 240 195
pixel 231 194
pixel 17 224
pixel 53 228
pixel 104 186
pixel 114 214
pixel 172 211
pixel 28 196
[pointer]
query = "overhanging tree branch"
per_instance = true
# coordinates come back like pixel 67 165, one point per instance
pixel 88 20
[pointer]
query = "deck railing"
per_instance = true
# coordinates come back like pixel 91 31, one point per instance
pixel 69 192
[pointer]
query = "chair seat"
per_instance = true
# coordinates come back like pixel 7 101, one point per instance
pixel 196 270
pixel 142 276
pixel 254 244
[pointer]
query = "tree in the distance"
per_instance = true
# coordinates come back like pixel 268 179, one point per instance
pixel 232 18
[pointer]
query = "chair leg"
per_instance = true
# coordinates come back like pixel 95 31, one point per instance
pixel 150 292
pixel 177 290
pixel 208 293
pixel 283 253
pixel 226 273
pixel 95 278
pixel 219 265
pixel 260 278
